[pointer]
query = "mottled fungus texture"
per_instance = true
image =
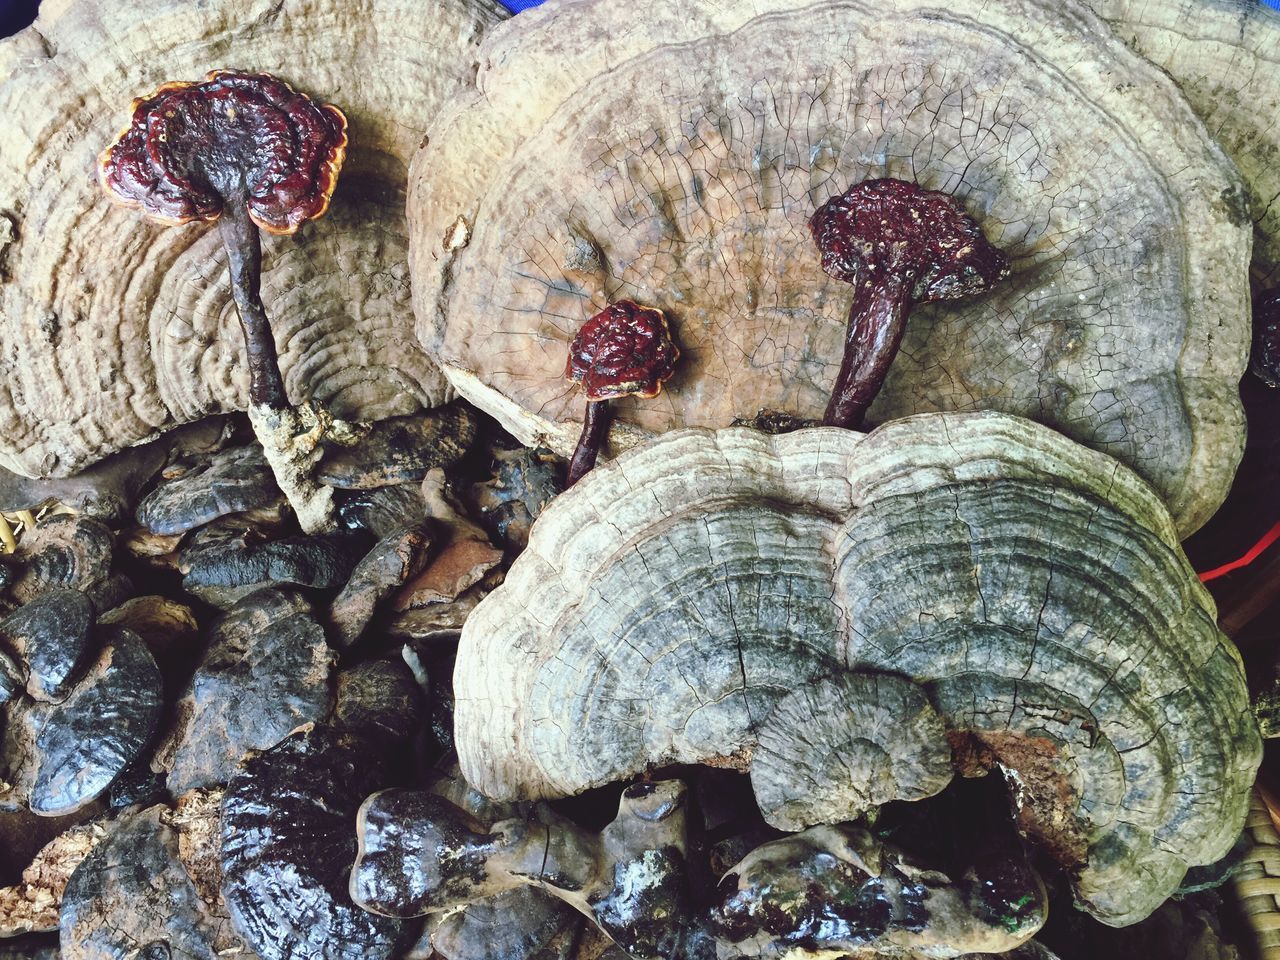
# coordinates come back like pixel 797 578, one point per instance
pixel 128 328
pixel 1123 322
pixel 1034 589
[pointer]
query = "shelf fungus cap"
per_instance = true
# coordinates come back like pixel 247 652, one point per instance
pixel 189 147
pixel 668 606
pixel 838 747
pixel 1123 322
pixel 624 350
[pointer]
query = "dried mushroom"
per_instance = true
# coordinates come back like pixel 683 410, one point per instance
pixel 51 635
pixel 222 566
pixel 881 726
pixel 1225 57
pixel 57 757
pixel 230 481
pixel 265 673
pixel 132 897
pixel 394 559
pixel 832 891
pixel 401 449
pixel 1122 323
pixel 69 551
pixel 1034 589
pixel 520 924
pixel 421 854
pixel 288 842
pixel 113 355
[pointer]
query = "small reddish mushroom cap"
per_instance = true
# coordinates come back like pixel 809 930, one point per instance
pixel 624 350
pixel 887 227
pixel 190 146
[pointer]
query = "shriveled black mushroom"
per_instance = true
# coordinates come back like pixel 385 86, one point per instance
pixel 520 924
pixel 830 891
pixel 266 672
pixel 69 551
pixel 222 566
pixel 246 150
pixel 898 245
pixel 401 449
pixel 421 854
pixel 288 843
pixel 230 481
pixel 394 559
pixel 132 897
pixel 59 756
pixel 382 510
pixel 52 635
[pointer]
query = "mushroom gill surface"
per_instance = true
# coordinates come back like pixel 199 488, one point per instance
pixel 676 162
pixel 112 330
pixel 1035 589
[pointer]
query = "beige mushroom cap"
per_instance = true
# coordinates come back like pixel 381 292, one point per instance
pixel 113 329
pixel 1035 589
pixel 675 160
pixel 1225 57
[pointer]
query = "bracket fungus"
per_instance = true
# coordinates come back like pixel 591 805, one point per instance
pixel 421 854
pixel 1033 588
pixel 114 330
pixel 1122 323
pixel 625 350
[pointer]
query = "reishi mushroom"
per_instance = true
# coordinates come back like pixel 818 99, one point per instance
pixel 898 245
pixel 248 151
pixel 1265 360
pixel 624 350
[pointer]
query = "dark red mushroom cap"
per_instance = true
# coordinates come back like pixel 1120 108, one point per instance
pixel 891 227
pixel 191 146
pixel 624 350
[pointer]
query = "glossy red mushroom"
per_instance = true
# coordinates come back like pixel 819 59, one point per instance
pixel 899 245
pixel 624 350
pixel 245 150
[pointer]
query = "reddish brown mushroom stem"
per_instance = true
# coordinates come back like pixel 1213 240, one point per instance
pixel 624 350
pixel 242 148
pixel 899 245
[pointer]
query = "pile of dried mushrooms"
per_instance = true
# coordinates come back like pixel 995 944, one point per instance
pixel 901 348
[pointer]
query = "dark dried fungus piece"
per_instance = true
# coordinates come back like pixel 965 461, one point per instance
pixel 266 672
pixel 288 842
pixel 384 510
pixel 132 898
pixel 324 562
pixel 52 634
pixel 382 700
pixel 167 627
pixel 419 854
pixel 401 449
pixel 60 756
pixel 523 482
pixel 833 890
pixel 230 481
pixel 394 559
pixel 11 678
pixel 68 551
pixel 521 924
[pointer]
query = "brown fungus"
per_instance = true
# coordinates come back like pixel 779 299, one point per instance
pixel 667 604
pixel 624 350
pixel 898 245
pixel 1123 322
pixel 245 150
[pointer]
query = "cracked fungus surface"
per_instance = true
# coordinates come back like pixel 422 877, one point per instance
pixel 668 603
pixel 664 169
pixel 113 329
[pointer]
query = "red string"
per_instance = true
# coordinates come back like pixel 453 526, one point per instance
pixel 1268 538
